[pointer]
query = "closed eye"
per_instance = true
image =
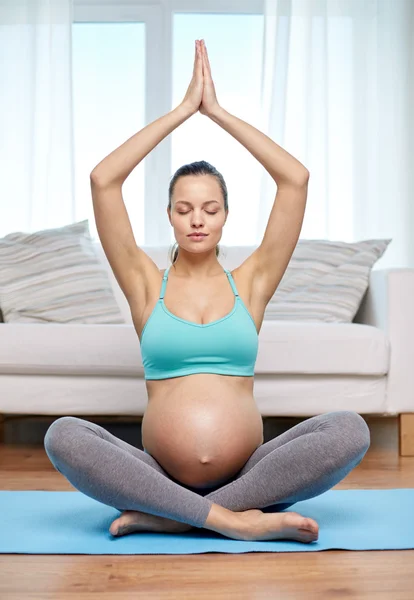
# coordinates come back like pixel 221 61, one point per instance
pixel 210 213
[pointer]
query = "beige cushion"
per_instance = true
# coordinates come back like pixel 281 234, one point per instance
pixel 54 276
pixel 325 281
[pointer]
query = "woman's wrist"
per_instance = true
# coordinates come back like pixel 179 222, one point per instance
pixel 213 114
pixel 184 110
pixel 188 111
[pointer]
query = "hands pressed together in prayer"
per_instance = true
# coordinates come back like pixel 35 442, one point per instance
pixel 201 94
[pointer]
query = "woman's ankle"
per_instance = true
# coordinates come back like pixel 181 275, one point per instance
pixel 222 520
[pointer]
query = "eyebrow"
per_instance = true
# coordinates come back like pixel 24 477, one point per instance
pixel 207 202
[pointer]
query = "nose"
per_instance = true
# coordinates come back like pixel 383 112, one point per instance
pixel 196 222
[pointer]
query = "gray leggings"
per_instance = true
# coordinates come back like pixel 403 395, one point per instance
pixel 305 461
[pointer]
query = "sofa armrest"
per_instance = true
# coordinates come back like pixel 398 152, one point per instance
pixel 388 304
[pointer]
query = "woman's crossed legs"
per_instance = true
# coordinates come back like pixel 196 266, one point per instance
pixel 304 462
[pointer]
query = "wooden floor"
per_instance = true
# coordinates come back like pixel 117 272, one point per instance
pixel 293 575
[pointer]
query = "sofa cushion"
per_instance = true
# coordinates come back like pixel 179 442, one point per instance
pixel 114 350
pixel 54 276
pixel 325 281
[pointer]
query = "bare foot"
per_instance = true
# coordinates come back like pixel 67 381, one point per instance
pixel 132 521
pixel 279 526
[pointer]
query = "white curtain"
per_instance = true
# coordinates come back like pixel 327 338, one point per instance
pixel 338 95
pixel 337 91
pixel 36 121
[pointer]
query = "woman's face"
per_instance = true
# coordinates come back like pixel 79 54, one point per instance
pixel 197 205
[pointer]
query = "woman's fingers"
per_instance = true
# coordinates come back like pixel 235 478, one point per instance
pixel 199 59
pixel 196 56
pixel 205 59
pixel 208 62
pixel 200 55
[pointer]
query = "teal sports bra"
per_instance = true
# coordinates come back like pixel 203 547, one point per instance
pixel 173 347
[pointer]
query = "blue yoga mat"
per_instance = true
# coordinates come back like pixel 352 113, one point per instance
pixel 38 522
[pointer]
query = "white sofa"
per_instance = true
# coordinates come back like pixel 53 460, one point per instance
pixel 302 369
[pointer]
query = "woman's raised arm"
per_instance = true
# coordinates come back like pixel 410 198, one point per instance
pixel 116 167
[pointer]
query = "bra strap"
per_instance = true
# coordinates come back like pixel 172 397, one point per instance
pixel 164 283
pixel 232 283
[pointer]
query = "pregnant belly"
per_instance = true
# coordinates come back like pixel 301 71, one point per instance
pixel 202 439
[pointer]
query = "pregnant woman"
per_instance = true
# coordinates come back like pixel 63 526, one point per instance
pixel 205 463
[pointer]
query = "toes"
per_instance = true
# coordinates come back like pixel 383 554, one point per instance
pixel 310 531
pixel 116 528
pixel 314 526
pixel 310 525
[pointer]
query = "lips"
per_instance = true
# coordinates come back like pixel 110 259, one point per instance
pixel 198 235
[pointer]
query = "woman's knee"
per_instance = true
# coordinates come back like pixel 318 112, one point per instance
pixel 59 434
pixel 354 428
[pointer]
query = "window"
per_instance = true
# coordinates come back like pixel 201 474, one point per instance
pixel 109 107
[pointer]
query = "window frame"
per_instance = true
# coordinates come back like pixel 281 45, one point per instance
pixel 158 16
